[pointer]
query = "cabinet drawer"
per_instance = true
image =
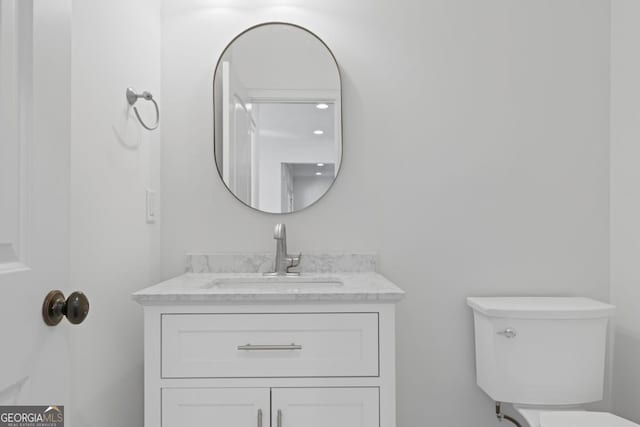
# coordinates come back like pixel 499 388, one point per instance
pixel 269 345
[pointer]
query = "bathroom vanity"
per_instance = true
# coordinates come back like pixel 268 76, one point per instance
pixel 243 349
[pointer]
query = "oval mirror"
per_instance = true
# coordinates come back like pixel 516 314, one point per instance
pixel 277 118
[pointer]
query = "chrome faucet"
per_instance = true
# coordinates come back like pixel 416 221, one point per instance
pixel 284 261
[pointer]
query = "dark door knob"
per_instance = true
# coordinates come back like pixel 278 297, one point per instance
pixel 54 308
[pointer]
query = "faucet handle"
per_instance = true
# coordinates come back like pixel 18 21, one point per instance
pixel 294 261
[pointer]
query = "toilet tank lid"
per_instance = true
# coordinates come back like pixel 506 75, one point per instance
pixel 583 419
pixel 541 307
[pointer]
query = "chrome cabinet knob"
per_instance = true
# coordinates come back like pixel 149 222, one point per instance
pixel 508 333
pixel 55 307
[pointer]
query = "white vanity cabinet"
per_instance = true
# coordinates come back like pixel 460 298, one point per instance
pixel 250 407
pixel 270 365
pixel 245 350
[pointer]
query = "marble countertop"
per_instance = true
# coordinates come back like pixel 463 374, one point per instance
pixel 193 288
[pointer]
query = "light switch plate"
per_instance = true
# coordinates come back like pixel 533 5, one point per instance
pixel 151 206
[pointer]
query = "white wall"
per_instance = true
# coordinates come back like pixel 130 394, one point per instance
pixel 116 44
pixel 625 204
pixel 489 122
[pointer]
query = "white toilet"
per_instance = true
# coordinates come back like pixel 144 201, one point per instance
pixel 546 356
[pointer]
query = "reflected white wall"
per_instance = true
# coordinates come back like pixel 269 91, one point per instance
pixel 304 65
pixel 308 189
pixel 294 143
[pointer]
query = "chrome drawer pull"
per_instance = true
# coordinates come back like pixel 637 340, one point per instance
pixel 259 417
pixel 279 421
pixel 270 347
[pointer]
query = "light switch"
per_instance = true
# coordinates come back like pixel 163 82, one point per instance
pixel 151 206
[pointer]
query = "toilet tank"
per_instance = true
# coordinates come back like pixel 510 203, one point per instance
pixel 540 351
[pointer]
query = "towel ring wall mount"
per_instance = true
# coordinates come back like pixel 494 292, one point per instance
pixel 132 97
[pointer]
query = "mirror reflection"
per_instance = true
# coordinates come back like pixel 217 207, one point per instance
pixel 277 112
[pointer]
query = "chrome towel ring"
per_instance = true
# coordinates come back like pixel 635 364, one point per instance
pixel 132 97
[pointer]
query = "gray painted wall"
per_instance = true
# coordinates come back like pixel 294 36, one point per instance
pixel 113 250
pixel 475 162
pixel 625 204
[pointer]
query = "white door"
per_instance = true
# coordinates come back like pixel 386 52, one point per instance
pixel 322 407
pixel 224 407
pixel 34 198
pixel 238 132
pixel 286 187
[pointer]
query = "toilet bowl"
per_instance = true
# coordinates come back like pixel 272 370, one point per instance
pixel 546 356
pixel 572 418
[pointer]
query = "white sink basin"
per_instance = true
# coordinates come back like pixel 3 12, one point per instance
pixel 266 282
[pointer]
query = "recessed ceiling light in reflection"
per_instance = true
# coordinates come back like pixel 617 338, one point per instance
pixel 320 164
pixel 318 132
pixel 318 173
pixel 322 106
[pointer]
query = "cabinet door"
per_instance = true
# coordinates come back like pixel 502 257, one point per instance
pixel 323 407
pixel 228 407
